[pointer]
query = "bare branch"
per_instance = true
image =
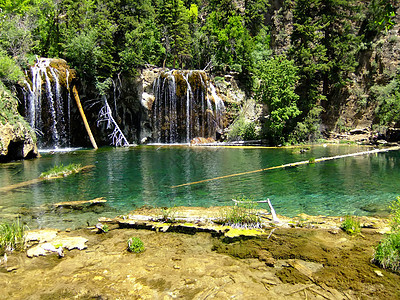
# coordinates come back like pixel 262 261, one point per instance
pixel 117 137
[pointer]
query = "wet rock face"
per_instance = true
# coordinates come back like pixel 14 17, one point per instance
pixel 16 143
pixel 185 106
pixel 47 101
pixel 17 140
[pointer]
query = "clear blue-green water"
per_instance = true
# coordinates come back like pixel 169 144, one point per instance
pixel 132 177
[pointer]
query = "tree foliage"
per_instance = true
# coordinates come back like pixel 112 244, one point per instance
pixel 277 78
pixel 103 38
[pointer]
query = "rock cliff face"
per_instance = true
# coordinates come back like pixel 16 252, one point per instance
pixel 376 67
pixel 17 139
pixel 354 106
pixel 47 101
pixel 153 107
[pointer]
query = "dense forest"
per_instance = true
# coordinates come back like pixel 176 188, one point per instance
pixel 295 56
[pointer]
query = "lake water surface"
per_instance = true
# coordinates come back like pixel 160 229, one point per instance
pixel 132 177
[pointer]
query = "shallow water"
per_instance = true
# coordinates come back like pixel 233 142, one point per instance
pixel 132 177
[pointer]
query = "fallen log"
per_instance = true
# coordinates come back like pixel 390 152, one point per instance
pixel 37 180
pixel 79 204
pixel 290 165
pixel 85 122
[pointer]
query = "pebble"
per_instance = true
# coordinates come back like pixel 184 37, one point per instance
pixel 10 269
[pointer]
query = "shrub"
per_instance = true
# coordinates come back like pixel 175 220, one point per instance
pixel 243 129
pixel 12 236
pixel 9 70
pixel 135 245
pixel 351 226
pixel 387 253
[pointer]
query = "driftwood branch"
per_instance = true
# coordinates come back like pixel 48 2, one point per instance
pixel 274 217
pixel 80 204
pixel 290 165
pixel 117 137
pixel 78 103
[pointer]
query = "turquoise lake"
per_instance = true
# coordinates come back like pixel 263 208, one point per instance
pixel 132 177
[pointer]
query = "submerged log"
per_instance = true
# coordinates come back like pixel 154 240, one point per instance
pixel 80 204
pixel 37 180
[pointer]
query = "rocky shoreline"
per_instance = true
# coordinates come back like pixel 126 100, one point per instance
pixel 192 256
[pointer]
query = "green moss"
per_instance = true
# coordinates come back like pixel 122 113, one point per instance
pixel 243 232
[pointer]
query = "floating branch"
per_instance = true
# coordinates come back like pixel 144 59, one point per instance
pixel 105 115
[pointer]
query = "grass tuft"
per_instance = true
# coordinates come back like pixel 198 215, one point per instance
pixel 351 226
pixel 243 215
pixel 387 253
pixel 12 236
pixel 168 214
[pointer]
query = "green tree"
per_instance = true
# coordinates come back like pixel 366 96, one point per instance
pixel 85 53
pixel 324 47
pixel 15 36
pixel 388 98
pixel 142 46
pixel 276 82
pixel 229 44
pixel 174 19
pixel 10 72
pixel 15 6
pixel 254 15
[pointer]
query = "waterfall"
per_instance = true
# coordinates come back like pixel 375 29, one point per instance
pixel 45 104
pixel 186 106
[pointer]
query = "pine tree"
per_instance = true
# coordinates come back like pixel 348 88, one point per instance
pixel 174 18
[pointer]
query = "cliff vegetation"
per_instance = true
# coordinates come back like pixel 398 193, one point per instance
pixel 317 66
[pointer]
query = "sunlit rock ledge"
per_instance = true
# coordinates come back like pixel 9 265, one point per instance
pixel 199 219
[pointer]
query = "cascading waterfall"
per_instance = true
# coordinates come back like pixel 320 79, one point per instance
pixel 45 104
pixel 186 106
